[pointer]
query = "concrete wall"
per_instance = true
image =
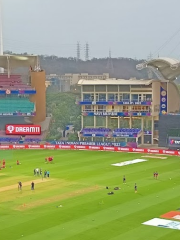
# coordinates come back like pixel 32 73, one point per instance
pixel 38 82
pixel 173 97
pixel 155 97
pixel 167 122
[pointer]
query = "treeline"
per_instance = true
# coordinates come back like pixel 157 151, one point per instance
pixel 64 111
pixel 124 68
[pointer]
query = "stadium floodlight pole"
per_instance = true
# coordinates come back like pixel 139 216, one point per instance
pixel 1 35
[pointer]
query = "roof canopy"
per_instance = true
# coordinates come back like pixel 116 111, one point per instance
pixel 169 68
pixel 16 61
pixel 114 81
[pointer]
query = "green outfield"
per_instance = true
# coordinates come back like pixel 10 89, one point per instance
pixel 73 203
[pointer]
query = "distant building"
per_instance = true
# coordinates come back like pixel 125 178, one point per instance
pixel 114 109
pixel 63 85
pixel 73 78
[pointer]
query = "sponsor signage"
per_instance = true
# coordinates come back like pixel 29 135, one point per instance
pixel 91 147
pixel 172 215
pixel 174 142
pixel 157 222
pixel 148 103
pixel 120 114
pixel 30 91
pixel 111 144
pixel 153 150
pixel 12 129
pixel 163 100
pixel 129 162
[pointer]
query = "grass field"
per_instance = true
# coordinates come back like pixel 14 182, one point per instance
pixel 73 204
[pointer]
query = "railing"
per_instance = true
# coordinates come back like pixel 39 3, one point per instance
pixel 115 100
pixel 116 111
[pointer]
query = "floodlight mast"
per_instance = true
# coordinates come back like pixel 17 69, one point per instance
pixel 1 36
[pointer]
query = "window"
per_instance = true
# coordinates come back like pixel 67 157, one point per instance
pixel 102 97
pixel 92 97
pixel 87 97
pixel 101 108
pixel 110 97
pixel 88 108
pixel 156 125
pixel 134 97
pixel 97 97
pixel 147 97
pixel 125 108
pixel 126 97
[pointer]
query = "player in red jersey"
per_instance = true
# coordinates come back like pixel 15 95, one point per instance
pixel 3 164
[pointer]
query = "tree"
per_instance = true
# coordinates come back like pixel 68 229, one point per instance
pixel 64 111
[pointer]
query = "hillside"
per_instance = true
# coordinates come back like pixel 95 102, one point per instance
pixel 120 67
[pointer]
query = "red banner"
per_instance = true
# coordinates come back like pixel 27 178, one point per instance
pixel 12 129
pixel 92 148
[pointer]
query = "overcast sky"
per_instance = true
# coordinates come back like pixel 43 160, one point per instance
pixel 130 28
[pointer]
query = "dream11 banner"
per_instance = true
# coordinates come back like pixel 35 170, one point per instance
pixel 12 129
pixel 163 100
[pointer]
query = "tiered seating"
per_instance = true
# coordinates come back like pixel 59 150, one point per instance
pixel 98 132
pixel 14 138
pixel 12 83
pixel 120 132
pixel 16 104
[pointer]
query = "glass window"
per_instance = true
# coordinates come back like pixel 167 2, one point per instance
pixel 134 97
pixel 102 97
pixel 86 97
pixel 111 97
pixel 148 97
pixel 101 108
pixel 97 97
pixel 126 97
pixel 156 125
pixel 88 108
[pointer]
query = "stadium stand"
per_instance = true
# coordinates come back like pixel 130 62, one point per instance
pixel 16 105
pixel 17 139
pixel 119 132
pixel 12 82
pixel 134 132
pixel 14 138
pixel 22 99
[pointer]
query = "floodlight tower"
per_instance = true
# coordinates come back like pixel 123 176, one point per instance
pixel 87 51
pixel 1 35
pixel 110 66
pixel 78 51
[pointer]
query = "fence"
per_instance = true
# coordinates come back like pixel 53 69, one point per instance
pixel 91 148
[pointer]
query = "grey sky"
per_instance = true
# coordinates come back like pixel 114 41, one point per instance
pixel 131 28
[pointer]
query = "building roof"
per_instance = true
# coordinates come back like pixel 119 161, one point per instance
pixel 168 67
pixel 16 61
pixel 114 81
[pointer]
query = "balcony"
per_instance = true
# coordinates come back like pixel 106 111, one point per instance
pixel 145 102
pixel 105 113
